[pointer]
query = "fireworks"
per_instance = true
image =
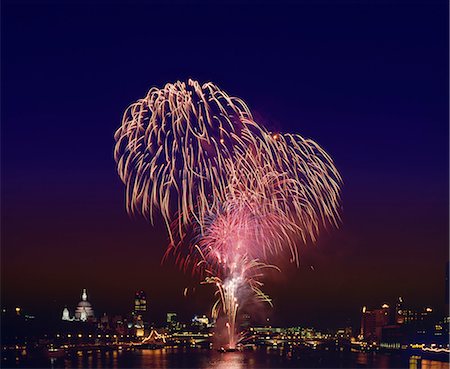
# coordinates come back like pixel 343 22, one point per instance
pixel 231 193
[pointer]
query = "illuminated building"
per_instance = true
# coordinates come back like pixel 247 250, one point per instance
pixel 201 322
pixel 140 309
pixel 119 324
pixel 172 321
pixel 138 323
pixel 372 323
pixel 405 315
pixel 66 315
pixel 410 325
pixel 399 319
pixel 140 303
pixel 171 318
pixel 84 311
pixel 393 337
pixel 408 316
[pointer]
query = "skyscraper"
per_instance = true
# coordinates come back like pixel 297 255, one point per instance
pixel 140 303
pixel 172 321
pixel 139 313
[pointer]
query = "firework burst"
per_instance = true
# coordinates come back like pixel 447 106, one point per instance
pixel 232 194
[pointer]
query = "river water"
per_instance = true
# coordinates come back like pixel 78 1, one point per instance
pixel 204 358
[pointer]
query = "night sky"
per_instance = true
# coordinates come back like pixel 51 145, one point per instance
pixel 367 80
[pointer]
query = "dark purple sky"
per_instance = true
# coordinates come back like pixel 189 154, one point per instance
pixel 367 80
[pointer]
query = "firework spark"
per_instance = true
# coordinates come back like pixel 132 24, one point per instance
pixel 230 192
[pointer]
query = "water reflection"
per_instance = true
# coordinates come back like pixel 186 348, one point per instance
pixel 205 358
pixel 432 364
pixel 231 360
pixel 361 359
pixel 414 362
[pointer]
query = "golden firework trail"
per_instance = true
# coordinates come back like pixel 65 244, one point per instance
pixel 230 192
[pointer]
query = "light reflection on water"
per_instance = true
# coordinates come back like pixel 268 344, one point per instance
pixel 419 363
pixel 204 358
pixel 232 360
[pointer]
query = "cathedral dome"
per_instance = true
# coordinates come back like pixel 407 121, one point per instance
pixel 84 309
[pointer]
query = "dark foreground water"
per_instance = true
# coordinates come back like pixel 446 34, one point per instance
pixel 203 358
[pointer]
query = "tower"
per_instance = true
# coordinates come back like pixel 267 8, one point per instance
pixel 139 313
pixel 66 314
pixel 399 314
pixel 140 303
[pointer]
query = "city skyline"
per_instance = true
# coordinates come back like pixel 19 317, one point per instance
pixel 141 304
pixel 393 326
pixel 64 226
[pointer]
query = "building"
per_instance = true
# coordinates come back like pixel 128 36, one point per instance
pixel 172 321
pixel 408 316
pixel 139 313
pixel 66 315
pixel 104 323
pixel 399 319
pixel 84 311
pixel 200 321
pixel 140 303
pixel 411 326
pixel 393 337
pixel 372 323
pixel 412 316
